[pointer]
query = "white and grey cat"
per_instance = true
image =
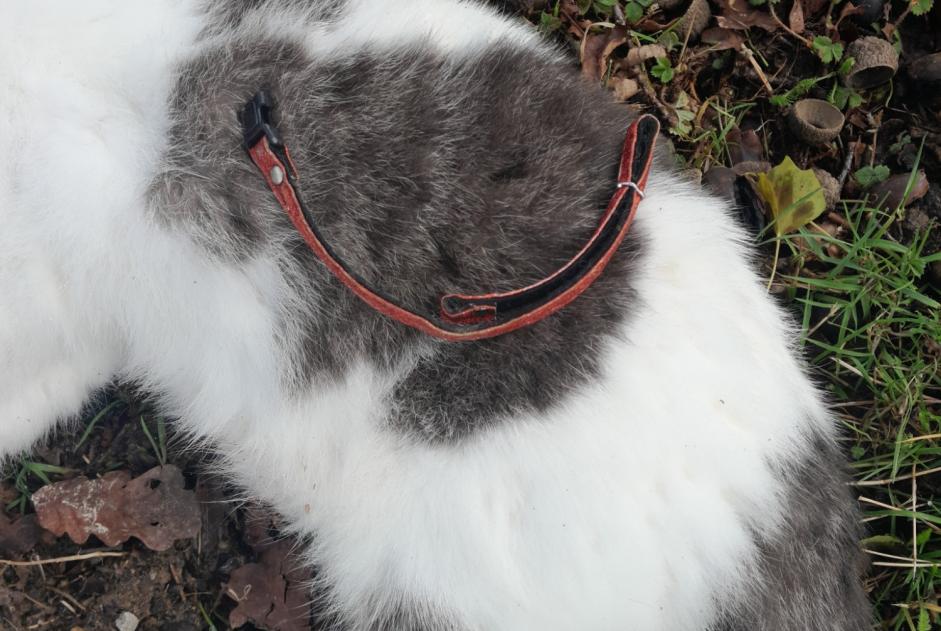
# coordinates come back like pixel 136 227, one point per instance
pixel 652 457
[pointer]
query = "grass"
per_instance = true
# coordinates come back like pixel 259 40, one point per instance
pixel 25 471
pixel 872 331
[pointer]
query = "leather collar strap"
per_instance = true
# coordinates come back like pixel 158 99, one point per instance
pixel 464 317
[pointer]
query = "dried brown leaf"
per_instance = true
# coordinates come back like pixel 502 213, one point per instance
pixel 596 49
pixel 639 54
pixel 272 593
pixel 795 19
pixel 722 38
pixel 893 190
pixel 623 87
pixel 737 15
pixel 744 146
pixel 154 507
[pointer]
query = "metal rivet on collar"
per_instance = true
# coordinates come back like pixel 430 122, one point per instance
pixel 277 175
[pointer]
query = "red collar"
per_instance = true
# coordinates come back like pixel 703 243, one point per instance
pixel 465 317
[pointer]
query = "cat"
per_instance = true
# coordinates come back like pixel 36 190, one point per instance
pixel 651 456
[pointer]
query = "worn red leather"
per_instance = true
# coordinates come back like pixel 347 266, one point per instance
pixel 476 317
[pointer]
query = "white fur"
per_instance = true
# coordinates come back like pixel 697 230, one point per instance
pixel 627 507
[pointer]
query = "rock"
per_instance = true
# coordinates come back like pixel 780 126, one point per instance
pixel 126 621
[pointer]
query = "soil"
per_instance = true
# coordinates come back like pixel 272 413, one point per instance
pixel 173 590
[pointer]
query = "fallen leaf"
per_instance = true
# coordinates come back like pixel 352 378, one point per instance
pixel 271 593
pixel 722 38
pixel 623 87
pixel 794 196
pixel 849 9
pixel 596 49
pixel 154 507
pixel 744 146
pixel 893 189
pixel 639 54
pixel 737 15
pixel 17 537
pixel 795 18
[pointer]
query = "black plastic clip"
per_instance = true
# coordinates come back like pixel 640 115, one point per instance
pixel 256 121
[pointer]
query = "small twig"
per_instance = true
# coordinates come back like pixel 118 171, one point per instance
pixel 928 606
pixel 838 219
pixel 847 164
pixel 915 439
pixel 869 500
pixel 900 478
pixel 852 369
pixel 833 311
pixel 908 9
pixel 39 604
pixel 682 55
pixel 887 555
pixel 65 559
pixel 750 56
pixel 920 565
pixel 775 17
pixel 65 595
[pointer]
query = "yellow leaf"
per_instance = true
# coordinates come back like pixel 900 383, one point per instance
pixel 795 197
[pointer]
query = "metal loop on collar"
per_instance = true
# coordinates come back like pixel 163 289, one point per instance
pixel 633 186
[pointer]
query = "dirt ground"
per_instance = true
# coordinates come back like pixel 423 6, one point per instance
pixel 178 589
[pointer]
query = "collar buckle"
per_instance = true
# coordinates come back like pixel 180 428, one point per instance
pixel 256 121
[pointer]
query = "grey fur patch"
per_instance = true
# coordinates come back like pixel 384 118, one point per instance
pixel 809 575
pixel 226 16
pixel 428 175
